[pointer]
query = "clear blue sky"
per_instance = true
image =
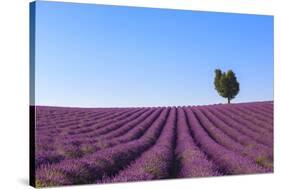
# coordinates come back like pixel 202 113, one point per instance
pixel 106 56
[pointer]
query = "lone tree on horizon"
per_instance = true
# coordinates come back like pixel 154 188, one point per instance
pixel 226 84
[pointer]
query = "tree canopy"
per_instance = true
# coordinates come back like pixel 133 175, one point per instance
pixel 226 84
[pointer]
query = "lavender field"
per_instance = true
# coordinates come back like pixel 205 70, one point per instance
pixel 105 145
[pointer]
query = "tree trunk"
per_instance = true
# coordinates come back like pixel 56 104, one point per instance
pixel 228 100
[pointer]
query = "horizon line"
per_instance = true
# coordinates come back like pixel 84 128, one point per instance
pixel 56 106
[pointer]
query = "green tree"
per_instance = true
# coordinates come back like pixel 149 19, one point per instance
pixel 226 84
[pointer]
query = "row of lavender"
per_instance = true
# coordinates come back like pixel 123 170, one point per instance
pixel 80 146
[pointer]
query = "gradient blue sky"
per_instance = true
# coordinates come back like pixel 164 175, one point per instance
pixel 106 56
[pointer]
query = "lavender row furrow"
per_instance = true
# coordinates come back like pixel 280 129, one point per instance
pixel 96 144
pixel 245 120
pixel 66 117
pixel 90 168
pixel 259 110
pixel 88 128
pixel 229 161
pixel 241 130
pixel 256 116
pixel 72 150
pixel 109 116
pixel 256 111
pixel 62 129
pixel 237 141
pixel 192 161
pixel 155 163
